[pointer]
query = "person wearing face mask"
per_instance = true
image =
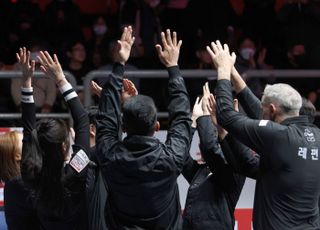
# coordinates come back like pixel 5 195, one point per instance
pixel 99 43
pixel 248 60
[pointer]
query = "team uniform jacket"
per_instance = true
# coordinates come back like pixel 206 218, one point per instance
pixel 73 215
pixel 288 189
pixel 214 187
pixel 140 171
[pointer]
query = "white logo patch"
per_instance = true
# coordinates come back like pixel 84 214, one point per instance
pixel 263 123
pixel 79 161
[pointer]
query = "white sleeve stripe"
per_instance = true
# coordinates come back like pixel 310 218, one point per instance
pixel 65 88
pixel 70 96
pixel 27 90
pixel 27 99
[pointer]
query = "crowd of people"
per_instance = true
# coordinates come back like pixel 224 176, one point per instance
pixel 272 34
pixel 87 176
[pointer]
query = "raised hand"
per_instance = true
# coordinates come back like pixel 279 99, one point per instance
pixel 95 88
pixel 128 90
pixel 196 112
pixel 52 68
pixel 169 54
pixel 27 66
pixel 212 109
pixel 205 99
pixel 222 59
pixel 123 46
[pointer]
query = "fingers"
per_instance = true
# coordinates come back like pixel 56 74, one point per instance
pixel 179 44
pixel 214 47
pixel 236 105
pixel 169 39
pixel 43 59
pixel 226 48
pixel 55 58
pixel 28 57
pixel 33 65
pixel 124 34
pixel 43 69
pixel 159 49
pixel 48 57
pixel 18 57
pixel 211 53
pixel 164 41
pixel 24 55
pixel 234 57
pixel 197 101
pixel 174 38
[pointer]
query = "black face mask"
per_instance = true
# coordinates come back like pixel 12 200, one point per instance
pixel 300 60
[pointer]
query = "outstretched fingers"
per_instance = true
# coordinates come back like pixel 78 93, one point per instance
pixel 169 39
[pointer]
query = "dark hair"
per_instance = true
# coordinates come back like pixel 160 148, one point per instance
pixel 48 162
pixel 139 115
pixel 308 110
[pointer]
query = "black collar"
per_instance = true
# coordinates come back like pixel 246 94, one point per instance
pixel 302 119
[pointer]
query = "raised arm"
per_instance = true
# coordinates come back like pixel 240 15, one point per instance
pixel 253 133
pixel 179 132
pixel 108 120
pixel 52 68
pixel 250 103
pixel 31 160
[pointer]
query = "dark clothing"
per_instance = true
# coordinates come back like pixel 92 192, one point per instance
pixel 214 188
pixel 288 190
pixel 19 209
pixel 241 158
pixel 140 171
pixel 72 211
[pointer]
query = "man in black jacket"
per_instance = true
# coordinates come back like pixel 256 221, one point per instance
pixel 288 189
pixel 140 171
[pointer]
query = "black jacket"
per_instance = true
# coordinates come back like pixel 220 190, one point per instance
pixel 73 214
pixel 140 171
pixel 287 192
pixel 214 187
pixel 19 209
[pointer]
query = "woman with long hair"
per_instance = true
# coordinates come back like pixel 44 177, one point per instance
pixel 18 206
pixel 58 188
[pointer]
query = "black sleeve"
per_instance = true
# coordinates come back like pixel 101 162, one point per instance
pixel 258 135
pixel 31 159
pixel 108 121
pixel 250 103
pixel 190 166
pixel 242 159
pixel 82 136
pixel 190 169
pixel 223 173
pixel 179 132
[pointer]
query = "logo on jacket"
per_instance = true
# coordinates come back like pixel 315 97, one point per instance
pixel 309 135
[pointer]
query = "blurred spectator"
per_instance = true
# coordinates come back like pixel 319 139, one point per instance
pixel 300 20
pixel 249 59
pixel 6 103
pixel 62 23
pixel 98 45
pixel 77 54
pixel 44 88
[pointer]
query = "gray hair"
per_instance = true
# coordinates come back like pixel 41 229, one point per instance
pixel 283 95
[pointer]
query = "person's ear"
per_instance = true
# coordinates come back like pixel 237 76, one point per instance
pixel 157 126
pixel 273 108
pixel 65 150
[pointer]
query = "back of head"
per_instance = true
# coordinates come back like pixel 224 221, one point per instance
pixel 53 140
pixel 139 115
pixel 283 95
pixel 10 155
pixel 308 110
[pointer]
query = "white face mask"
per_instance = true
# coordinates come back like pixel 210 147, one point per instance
pixel 100 29
pixel 246 53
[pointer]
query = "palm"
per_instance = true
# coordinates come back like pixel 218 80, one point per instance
pixel 124 45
